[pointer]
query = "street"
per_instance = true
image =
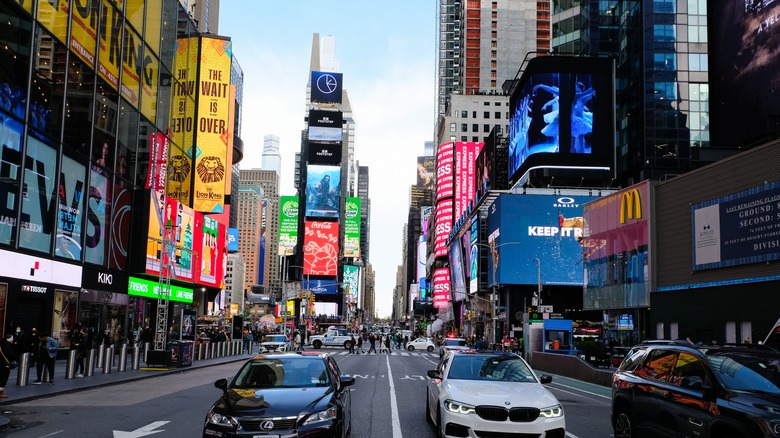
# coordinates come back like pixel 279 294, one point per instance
pixel 388 401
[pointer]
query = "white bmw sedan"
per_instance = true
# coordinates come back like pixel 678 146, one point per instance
pixel 473 394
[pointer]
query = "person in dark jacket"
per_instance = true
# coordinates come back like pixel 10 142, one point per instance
pixel 78 342
pixel 31 343
pixel 7 356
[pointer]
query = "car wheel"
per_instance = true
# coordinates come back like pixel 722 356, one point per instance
pixel 427 409
pixel 430 349
pixel 346 344
pixel 623 426
pixel 410 348
pixel 317 344
pixel 439 426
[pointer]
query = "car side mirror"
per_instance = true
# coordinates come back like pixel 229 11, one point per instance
pixel 545 379
pixel 221 384
pixel 694 383
pixel 433 374
pixel 347 381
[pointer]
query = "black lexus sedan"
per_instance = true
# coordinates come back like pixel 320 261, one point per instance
pixel 291 394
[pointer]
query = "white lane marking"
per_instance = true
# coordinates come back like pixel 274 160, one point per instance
pixel 393 403
pixel 571 435
pixel 52 434
pixel 556 386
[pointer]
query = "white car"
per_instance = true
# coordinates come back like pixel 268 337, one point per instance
pixel 274 343
pixel 472 394
pixel 421 344
pixel 453 344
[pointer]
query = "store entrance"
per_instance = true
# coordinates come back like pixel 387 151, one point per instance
pixel 104 323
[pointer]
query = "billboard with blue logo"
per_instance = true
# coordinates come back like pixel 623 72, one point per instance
pixel 536 238
pixel 232 239
pixel 326 87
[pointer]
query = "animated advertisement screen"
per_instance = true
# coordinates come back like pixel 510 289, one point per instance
pixel 445 171
pixel 457 271
pixel 465 172
pixel 547 228
pixel 484 178
pixel 320 248
pixel 326 87
pixel 288 225
pixel 323 189
pixel 441 287
pixel 743 65
pixel 325 126
pixel 562 115
pixel 166 215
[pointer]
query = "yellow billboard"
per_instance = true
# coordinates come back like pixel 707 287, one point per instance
pixel 83 31
pixel 213 135
pixel 132 66
pixel 150 72
pixel 182 122
pixel 110 45
pixel 54 17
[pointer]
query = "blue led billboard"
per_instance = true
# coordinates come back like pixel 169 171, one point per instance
pixel 549 228
pixel 323 190
pixel 326 87
pixel 562 115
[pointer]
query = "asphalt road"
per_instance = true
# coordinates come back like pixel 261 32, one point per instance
pixel 387 400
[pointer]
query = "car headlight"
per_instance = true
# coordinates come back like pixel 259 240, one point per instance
pixel 327 414
pixel 458 407
pixel 221 420
pixel 768 426
pixel 551 411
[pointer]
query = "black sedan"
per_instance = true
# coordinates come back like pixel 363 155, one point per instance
pixel 283 395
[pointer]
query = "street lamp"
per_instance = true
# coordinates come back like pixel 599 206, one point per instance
pixel 538 279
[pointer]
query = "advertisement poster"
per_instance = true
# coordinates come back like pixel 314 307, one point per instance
pixel 426 172
pixel 288 225
pixel 37 220
pixel 352 227
pixel 183 123
pixel 212 125
pixel 441 287
pixel 445 171
pixel 11 156
pixel 323 189
pixel 465 160
pixel 109 47
pixel 352 282
pixel 121 220
pixel 83 32
pixel 320 250
pixel 64 316
pixel 326 87
pixel 71 209
pixel 443 227
pixel 98 213
pixel 158 153
pixel 166 215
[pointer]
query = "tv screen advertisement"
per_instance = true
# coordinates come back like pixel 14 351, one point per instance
pixel 352 227
pixel 465 159
pixel 457 274
pixel 232 239
pixel 561 114
pixel 352 282
pixel 484 176
pixel 325 126
pixel 320 248
pixel 323 189
pixel 166 215
pixel 426 172
pixel 326 87
pixel 288 225
pixel 321 286
pixel 544 227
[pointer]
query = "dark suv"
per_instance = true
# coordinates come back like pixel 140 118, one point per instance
pixel 678 389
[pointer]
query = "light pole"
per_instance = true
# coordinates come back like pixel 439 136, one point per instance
pixel 538 280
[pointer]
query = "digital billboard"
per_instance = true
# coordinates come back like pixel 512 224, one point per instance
pixel 457 271
pixel 326 87
pixel 485 173
pixel 522 228
pixel 561 115
pixel 352 227
pixel 288 225
pixel 426 172
pixel 321 287
pixel 210 249
pixel 211 152
pixel 352 282
pixel 320 248
pixel 323 190
pixel 445 171
pixel 615 249
pixel 441 287
pixel 121 222
pixel 325 126
pixel 465 160
pixel 140 287
pixel 323 153
pixel 179 221
pixel 232 240
pixel 183 122
pixel 443 227
pixel 71 199
pixel 744 90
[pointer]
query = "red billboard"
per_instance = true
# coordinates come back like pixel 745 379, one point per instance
pixel 443 227
pixel 445 171
pixel 465 158
pixel 441 288
pixel 320 248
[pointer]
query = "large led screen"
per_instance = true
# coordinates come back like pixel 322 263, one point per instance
pixel 743 71
pixel 465 160
pixel 426 172
pixel 325 126
pixel 323 189
pixel 326 87
pixel 485 174
pixel 352 227
pixel 441 288
pixel 445 171
pixel 320 248
pixel 562 115
pixel 523 228
pixel 443 227
pixel 352 282
pixel 288 225
pixel 457 270
pixel 166 215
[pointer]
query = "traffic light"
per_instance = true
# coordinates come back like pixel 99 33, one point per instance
pixel 311 304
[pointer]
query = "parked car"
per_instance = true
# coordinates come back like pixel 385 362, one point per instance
pixel 421 343
pixel 491 394
pixel 283 394
pixel 274 343
pixel 678 389
pixel 452 344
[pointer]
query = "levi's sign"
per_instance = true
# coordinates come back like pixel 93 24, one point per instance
pixel 151 289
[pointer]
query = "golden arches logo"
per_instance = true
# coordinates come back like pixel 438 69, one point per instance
pixel 630 206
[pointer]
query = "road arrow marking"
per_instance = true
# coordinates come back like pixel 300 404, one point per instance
pixel 143 431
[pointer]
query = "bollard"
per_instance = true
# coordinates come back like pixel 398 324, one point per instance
pixel 91 356
pixel 107 360
pixel 136 357
pixel 122 358
pixel 23 373
pixel 147 347
pixel 101 354
pixel 70 365
pixel 212 350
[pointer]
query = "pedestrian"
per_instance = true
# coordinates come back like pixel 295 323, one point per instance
pixel 47 353
pixel 7 356
pixel 406 341
pixel 297 341
pixel 77 343
pixel 31 343
pixel 146 336
pixel 372 343
pixel 248 340
pixel 387 344
pixel 360 343
pixel 18 341
pixel 352 343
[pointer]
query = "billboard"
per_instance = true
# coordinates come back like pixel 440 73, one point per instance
pixel 426 172
pixel 288 225
pixel 121 222
pixel 210 247
pixel 445 171
pixel 615 248
pixel 443 227
pixel 422 272
pixel 140 287
pixel 737 229
pixel 525 228
pixel 485 173
pixel 84 31
pixel 213 136
pixel 321 287
pixel 352 282
pixel 109 44
pixel 441 287
pixel 320 248
pixel 326 87
pixel 325 126
pixel 561 114
pixel 323 189
pixel 183 122
pixel 465 160
pixel 70 213
pixel 168 215
pixel 232 240
pixel 352 227
pixel 742 51
pixel 457 271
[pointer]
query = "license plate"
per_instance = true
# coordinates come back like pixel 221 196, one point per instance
pixel 265 436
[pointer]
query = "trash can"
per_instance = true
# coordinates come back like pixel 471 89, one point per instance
pixel 175 348
pixel 187 349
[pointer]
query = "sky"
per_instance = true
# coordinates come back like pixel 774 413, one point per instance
pixel 387 54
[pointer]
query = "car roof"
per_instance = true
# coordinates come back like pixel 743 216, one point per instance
pixel 289 355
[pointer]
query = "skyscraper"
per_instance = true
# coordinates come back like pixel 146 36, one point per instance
pixel 268 182
pixel 272 158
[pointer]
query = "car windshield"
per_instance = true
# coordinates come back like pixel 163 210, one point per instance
pixel 747 372
pixel 503 368
pixel 455 342
pixel 274 338
pixel 292 372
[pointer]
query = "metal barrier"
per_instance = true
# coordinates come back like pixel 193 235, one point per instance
pixel 70 365
pixel 122 358
pixel 136 363
pixel 91 356
pixel 108 359
pixel 199 352
pixel 23 373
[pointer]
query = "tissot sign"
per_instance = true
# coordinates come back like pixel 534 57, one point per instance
pixel 103 279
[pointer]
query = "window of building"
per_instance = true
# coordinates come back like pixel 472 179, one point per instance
pixel 464 127
pixel 486 114
pixel 485 128
pixel 475 128
pixel 452 127
pixel 473 114
pixel 475 138
pixel 464 114
pixel 464 138
pixel 498 114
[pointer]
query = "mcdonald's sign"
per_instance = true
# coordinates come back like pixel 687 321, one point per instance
pixel 630 206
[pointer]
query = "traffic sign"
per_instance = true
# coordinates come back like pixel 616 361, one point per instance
pixel 284 313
